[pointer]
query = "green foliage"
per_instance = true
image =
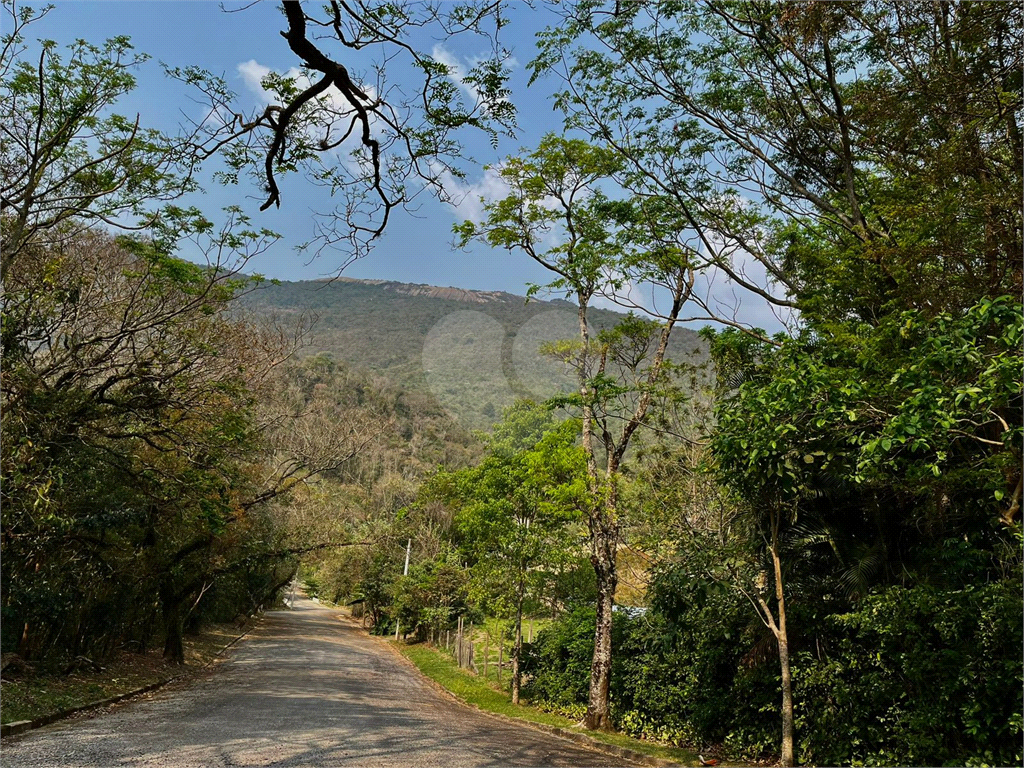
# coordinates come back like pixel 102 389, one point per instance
pixel 868 155
pixel 558 662
pixel 911 398
pixel 89 164
pixel 432 596
pixel 918 676
pixel 515 510
pixel 130 403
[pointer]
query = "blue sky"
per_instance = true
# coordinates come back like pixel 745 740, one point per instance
pixel 415 248
pixel 238 46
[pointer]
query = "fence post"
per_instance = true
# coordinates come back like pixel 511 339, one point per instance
pixel 487 652
pixel 458 645
pixel 501 649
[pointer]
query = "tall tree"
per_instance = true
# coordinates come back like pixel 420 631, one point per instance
pixel 515 511
pixel 558 215
pixel 859 163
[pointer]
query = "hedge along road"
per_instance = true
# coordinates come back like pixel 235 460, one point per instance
pixel 305 689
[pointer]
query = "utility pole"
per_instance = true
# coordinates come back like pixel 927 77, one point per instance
pixel 405 572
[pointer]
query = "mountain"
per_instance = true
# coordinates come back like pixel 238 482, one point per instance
pixel 474 351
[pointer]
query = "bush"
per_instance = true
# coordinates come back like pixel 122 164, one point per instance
pixel 918 676
pixel 910 676
pixel 557 664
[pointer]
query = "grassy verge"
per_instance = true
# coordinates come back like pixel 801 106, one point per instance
pixel 440 668
pixel 28 695
pixel 486 638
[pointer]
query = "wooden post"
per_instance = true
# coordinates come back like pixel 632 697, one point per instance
pixel 501 648
pixel 405 572
pixel 458 644
pixel 531 630
pixel 447 639
pixel 487 652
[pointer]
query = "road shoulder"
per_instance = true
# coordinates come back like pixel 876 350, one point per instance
pixel 482 695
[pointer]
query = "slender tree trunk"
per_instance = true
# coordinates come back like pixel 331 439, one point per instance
pixel 174 648
pixel 517 648
pixel 604 544
pixel 778 628
pixel 602 552
pixel 25 643
pixel 172 605
pixel 788 727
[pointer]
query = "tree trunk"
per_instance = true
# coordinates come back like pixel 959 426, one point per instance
pixel 517 647
pixel 788 727
pixel 598 715
pixel 172 605
pixel 174 648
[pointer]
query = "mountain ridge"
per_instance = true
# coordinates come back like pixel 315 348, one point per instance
pixel 473 351
pixel 476 296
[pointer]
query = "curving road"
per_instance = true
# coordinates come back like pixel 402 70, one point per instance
pixel 305 689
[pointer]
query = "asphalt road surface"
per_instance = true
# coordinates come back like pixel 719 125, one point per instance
pixel 305 689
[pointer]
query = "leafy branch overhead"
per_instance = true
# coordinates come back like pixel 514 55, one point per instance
pixel 353 131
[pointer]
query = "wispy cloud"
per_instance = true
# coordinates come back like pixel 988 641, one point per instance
pixel 457 72
pixel 253 75
pixel 468 199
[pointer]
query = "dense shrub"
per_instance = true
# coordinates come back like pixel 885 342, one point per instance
pixel 557 664
pixel 918 677
pixel 908 676
pixel 678 661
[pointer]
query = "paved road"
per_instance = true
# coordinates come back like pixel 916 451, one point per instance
pixel 305 689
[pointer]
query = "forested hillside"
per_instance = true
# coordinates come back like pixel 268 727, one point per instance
pixel 401 332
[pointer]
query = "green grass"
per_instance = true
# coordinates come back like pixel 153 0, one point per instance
pixel 43 695
pixel 486 636
pixel 472 689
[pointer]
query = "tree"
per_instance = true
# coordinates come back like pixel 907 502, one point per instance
pixel 841 161
pixel 892 441
pixel 559 216
pixel 127 405
pixel 68 163
pixel 515 512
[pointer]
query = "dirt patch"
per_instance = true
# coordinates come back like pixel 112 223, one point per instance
pixel 27 693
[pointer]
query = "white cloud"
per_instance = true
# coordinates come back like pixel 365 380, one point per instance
pixel 253 74
pixel 468 198
pixel 457 72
